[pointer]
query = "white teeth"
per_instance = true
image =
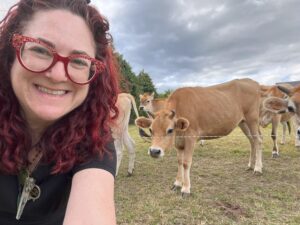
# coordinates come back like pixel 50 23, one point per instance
pixel 51 92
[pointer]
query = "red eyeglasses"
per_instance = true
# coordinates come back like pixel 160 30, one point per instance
pixel 36 56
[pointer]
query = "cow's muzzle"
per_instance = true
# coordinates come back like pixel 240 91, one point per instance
pixel 155 152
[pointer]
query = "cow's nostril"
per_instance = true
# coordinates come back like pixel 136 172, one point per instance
pixel 291 109
pixel 155 152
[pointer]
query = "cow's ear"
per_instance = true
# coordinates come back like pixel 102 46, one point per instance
pixel 172 114
pixel 143 122
pixel 151 96
pixel 182 124
pixel 276 105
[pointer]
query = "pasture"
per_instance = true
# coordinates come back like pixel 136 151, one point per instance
pixel 222 191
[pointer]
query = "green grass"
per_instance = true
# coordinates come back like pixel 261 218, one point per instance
pixel 223 192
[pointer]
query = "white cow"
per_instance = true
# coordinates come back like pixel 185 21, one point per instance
pixel 120 132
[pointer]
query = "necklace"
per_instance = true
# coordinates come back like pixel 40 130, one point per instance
pixel 28 190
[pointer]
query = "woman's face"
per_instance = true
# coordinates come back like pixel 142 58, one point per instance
pixel 46 97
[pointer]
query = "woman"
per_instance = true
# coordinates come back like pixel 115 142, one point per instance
pixel 58 86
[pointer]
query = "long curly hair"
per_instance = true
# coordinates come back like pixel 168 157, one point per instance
pixel 81 133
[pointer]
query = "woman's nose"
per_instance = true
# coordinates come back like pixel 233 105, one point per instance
pixel 57 72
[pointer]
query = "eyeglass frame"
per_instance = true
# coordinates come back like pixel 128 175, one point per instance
pixel 18 41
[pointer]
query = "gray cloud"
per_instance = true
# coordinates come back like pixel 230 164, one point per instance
pixel 198 42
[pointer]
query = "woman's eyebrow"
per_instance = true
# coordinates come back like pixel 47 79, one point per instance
pixel 74 52
pixel 79 52
pixel 47 42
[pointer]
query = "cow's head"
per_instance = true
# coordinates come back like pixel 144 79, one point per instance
pixel 146 102
pixel 290 104
pixel 163 127
pixel 266 115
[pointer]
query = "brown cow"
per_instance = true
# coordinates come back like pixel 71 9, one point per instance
pixel 205 112
pixel 291 104
pixel 149 104
pixel 267 117
pixel 120 131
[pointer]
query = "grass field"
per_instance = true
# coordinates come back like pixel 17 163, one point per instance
pixel 223 192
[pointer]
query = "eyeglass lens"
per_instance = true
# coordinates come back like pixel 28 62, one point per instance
pixel 37 57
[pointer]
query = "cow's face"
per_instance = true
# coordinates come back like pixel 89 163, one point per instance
pixel 266 115
pixel 291 104
pixel 146 102
pixel 163 127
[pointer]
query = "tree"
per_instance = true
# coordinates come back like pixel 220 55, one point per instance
pixel 145 83
pixel 165 94
pixel 128 80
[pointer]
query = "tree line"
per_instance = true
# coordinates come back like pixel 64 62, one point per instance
pixel 136 84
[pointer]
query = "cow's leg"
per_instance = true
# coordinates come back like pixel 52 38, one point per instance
pixel 179 178
pixel 295 124
pixel 283 139
pixel 187 163
pixel 119 153
pixel 275 151
pixel 130 146
pixel 202 142
pixel 254 130
pixel 244 127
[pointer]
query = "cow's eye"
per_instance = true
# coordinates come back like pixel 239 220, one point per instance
pixel 170 131
pixel 148 101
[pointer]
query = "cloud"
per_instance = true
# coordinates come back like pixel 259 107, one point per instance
pixel 192 42
pixel 205 42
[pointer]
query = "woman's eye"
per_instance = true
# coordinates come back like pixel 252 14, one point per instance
pixel 41 51
pixel 79 62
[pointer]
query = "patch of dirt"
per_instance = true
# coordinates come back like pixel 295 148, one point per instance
pixel 234 212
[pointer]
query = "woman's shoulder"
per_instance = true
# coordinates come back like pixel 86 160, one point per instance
pixel 106 162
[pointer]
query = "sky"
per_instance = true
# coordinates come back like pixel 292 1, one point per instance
pixel 205 42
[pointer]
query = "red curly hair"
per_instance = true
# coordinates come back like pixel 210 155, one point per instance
pixel 81 133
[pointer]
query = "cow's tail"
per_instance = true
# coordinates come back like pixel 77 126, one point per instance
pixel 133 104
pixel 142 133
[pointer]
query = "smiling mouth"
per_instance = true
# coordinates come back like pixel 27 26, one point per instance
pixel 51 91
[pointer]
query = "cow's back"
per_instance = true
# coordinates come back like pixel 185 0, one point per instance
pixel 120 124
pixel 216 110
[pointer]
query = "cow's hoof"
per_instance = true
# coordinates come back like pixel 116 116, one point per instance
pixel 130 173
pixel 175 188
pixel 185 195
pixel 257 173
pixel 249 169
pixel 275 155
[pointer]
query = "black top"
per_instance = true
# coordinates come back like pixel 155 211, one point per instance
pixel 50 207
